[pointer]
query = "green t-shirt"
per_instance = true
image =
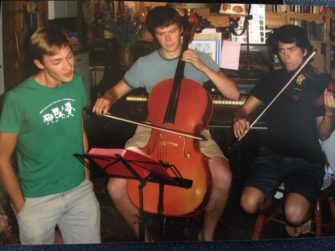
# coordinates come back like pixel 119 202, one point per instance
pixel 48 122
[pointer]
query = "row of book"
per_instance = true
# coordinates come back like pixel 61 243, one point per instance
pixel 315 31
pixel 332 29
pixel 308 9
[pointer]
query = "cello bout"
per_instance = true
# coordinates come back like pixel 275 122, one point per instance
pixel 194 110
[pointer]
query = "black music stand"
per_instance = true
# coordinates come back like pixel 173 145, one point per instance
pixel 129 164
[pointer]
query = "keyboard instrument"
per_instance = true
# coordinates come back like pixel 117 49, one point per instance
pixel 223 109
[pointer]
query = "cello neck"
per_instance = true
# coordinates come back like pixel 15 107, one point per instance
pixel 170 114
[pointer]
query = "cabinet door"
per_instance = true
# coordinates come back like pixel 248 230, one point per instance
pixel 62 9
pixel 71 8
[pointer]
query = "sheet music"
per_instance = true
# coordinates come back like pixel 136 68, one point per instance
pixel 136 150
pixel 230 55
pixel 142 163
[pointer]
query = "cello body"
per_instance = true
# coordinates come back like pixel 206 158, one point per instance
pixel 194 110
pixel 181 105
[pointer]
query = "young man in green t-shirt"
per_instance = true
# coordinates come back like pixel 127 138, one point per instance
pixel 41 120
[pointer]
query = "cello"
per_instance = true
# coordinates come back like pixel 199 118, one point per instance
pixel 177 104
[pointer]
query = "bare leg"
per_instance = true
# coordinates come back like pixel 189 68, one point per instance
pixel 297 210
pixel 117 189
pixel 252 200
pixel 221 182
pixel 58 237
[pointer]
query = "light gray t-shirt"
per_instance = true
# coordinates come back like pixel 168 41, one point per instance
pixel 149 70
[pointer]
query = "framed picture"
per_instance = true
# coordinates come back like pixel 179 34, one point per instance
pixel 209 43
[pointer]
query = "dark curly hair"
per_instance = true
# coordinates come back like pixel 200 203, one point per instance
pixel 162 16
pixel 290 34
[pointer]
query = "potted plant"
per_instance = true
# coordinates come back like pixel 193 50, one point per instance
pixel 127 29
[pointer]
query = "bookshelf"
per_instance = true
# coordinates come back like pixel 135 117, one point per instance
pixel 318 21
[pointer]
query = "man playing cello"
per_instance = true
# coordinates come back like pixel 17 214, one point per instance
pixel 165 25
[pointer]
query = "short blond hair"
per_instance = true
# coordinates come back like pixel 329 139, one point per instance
pixel 47 41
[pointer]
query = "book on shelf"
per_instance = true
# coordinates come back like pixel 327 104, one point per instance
pixel 294 8
pixel 332 30
pixel 332 57
pixel 315 31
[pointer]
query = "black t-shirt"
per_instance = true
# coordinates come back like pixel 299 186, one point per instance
pixel 291 121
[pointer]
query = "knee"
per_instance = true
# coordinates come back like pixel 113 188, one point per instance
pixel 249 205
pixel 294 215
pixel 296 209
pixel 221 175
pixel 117 188
pixel 251 201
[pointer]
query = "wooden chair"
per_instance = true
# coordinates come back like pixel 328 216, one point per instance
pixel 326 194
pixel 189 227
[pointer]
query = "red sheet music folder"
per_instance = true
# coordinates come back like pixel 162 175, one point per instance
pixel 110 160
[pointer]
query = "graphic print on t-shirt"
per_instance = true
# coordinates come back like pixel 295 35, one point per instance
pixel 58 110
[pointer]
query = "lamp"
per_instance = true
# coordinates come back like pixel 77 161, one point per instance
pixel 188 11
pixel 234 13
pixel 189 7
pixel 234 9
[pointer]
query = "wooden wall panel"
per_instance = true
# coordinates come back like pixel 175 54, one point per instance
pixel 15 32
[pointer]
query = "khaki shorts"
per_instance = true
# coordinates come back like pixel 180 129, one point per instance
pixel 209 147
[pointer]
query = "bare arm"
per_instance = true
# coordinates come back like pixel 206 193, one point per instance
pixel 242 116
pixel 326 123
pixel 103 103
pixel 7 174
pixel 225 85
